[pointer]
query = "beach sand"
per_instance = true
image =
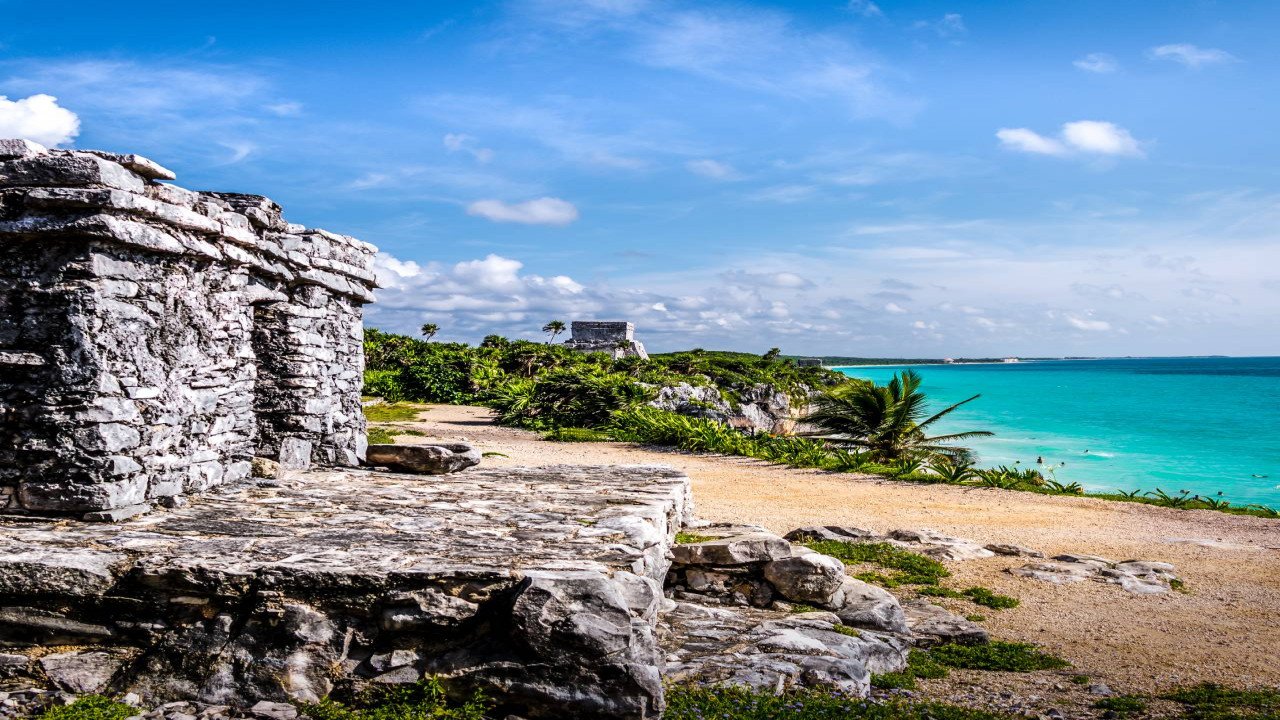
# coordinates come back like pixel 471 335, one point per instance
pixel 1225 628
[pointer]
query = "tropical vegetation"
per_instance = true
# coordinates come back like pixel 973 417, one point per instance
pixel 856 426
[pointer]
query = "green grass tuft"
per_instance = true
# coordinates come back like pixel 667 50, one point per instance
pixel 997 655
pixel 424 700
pixel 975 618
pixel 380 436
pixel 846 630
pixel 688 538
pixel 691 702
pixel 578 435
pixel 911 568
pixel 1122 705
pixel 1215 702
pixel 984 597
pixel 393 412
pixel 90 707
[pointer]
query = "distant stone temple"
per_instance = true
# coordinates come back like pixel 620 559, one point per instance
pixel 616 338
pixel 153 340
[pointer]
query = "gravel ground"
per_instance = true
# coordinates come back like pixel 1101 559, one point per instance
pixel 1225 628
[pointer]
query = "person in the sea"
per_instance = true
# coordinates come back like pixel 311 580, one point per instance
pixel 1039 460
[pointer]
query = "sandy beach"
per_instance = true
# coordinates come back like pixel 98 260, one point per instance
pixel 1224 628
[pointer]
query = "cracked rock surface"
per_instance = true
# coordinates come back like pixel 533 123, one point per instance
pixel 540 586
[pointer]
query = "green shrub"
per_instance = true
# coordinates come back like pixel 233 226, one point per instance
pixel 997 655
pixel 912 568
pixel 687 538
pixel 689 702
pixel 90 707
pixel 424 700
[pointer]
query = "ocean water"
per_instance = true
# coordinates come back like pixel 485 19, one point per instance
pixel 1206 425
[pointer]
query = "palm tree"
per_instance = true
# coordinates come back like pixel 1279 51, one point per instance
pixel 429 330
pixel 888 420
pixel 554 328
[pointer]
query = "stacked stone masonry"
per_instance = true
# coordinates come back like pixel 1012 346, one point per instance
pixel 615 338
pixel 154 339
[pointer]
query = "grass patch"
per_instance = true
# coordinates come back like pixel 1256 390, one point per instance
pixel 1215 702
pixel 846 630
pixel 380 436
pixel 800 608
pixel 90 707
pixel 997 655
pixel 392 412
pixel 424 700
pixel 984 597
pixel 1080 679
pixel 939 591
pixel 689 702
pixel 1122 705
pixel 578 435
pixel 920 665
pixel 911 568
pixel 975 618
pixel 688 538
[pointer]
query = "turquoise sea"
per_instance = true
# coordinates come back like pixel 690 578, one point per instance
pixel 1206 425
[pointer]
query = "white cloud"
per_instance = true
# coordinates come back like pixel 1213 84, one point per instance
pixel 1089 137
pixel 1029 141
pixel 1103 138
pixel 712 169
pixel 542 211
pixel 1190 55
pixel 865 8
pixel 38 118
pixel 1086 324
pixel 895 308
pixel 1096 63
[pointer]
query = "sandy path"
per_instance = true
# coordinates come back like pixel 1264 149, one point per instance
pixel 1225 629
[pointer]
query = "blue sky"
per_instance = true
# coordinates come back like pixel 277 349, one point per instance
pixel 888 178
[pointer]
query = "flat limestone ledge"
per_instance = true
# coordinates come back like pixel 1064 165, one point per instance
pixel 540 586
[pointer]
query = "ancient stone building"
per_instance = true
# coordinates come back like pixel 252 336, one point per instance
pixel 616 338
pixel 154 339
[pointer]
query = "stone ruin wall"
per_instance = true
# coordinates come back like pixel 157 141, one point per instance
pixel 154 339
pixel 617 338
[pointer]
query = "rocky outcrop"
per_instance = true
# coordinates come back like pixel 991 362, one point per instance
pixel 749 566
pixel 540 586
pixel 772 650
pixel 762 408
pixel 424 459
pixel 154 339
pixel 1141 577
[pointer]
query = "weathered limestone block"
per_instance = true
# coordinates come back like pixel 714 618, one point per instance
pixel 540 586
pixel 145 342
pixel 425 459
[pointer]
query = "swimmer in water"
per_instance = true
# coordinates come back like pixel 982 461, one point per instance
pixel 1039 460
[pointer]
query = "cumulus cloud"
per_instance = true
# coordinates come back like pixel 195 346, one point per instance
pixel 38 118
pixel 1190 55
pixel 542 211
pixel 712 169
pixel 1088 137
pixel 1096 63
